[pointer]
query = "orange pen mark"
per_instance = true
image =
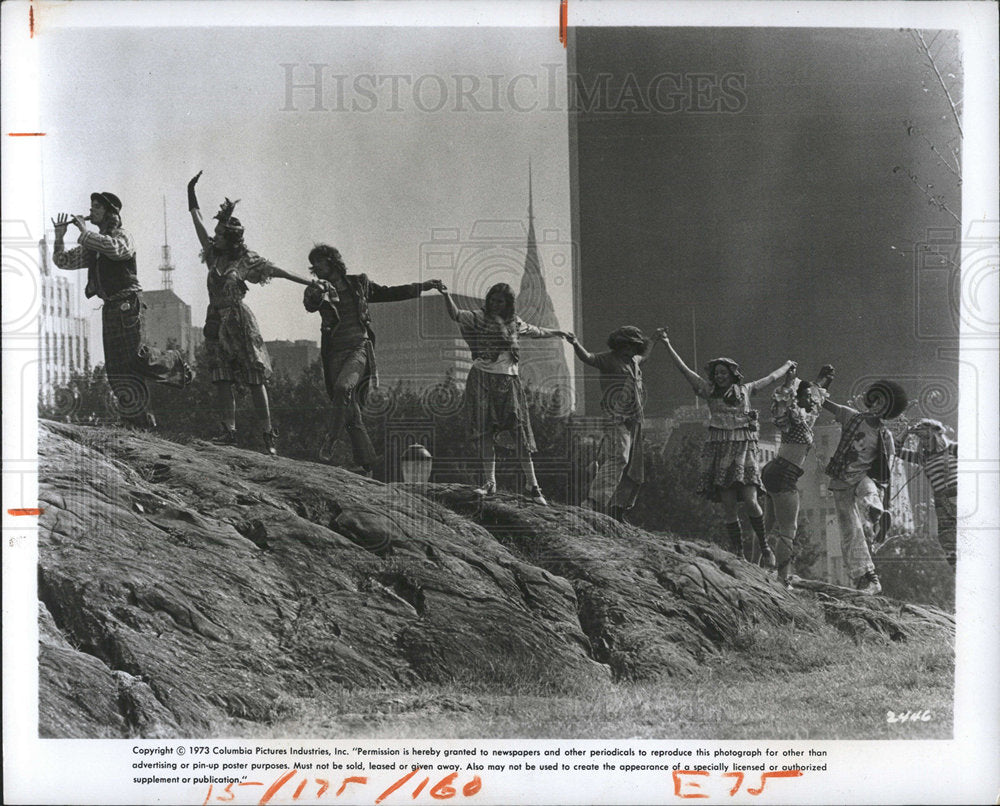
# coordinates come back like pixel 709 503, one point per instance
pixel 208 796
pixel 397 785
pixel 694 784
pixel 473 786
pixel 563 14
pixel 443 789
pixel 25 134
pixel 29 511
pixel 31 21
pixel 273 789
pixel 779 774
pixel 420 788
pixel 354 779
pixel 298 790
pixel 739 781
pixel 323 786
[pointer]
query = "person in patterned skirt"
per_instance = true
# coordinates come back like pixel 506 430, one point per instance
pixel 108 255
pixel 495 404
pixel 730 464
pixel 234 347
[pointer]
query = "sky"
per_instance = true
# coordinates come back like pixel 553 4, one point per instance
pixel 387 164
pixel 772 228
pixel 764 220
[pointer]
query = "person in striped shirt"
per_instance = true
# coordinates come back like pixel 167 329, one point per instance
pixel 938 456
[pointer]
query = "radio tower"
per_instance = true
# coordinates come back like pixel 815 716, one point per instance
pixel 166 267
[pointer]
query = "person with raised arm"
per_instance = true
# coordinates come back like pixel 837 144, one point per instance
pixel 348 345
pixel 795 406
pixel 620 474
pixel 730 464
pixel 495 404
pixel 108 255
pixel 234 347
pixel 860 473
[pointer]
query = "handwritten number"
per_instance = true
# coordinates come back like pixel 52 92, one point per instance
pixel 443 789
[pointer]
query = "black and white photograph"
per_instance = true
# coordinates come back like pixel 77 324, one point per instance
pixel 533 402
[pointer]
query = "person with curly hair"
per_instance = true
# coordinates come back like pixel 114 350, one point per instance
pixel 108 255
pixel 860 472
pixel 494 400
pixel 730 463
pixel 938 457
pixel 347 349
pixel 620 472
pixel 795 407
pixel 234 347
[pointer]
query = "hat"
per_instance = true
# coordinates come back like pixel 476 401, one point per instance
pixel 226 209
pixel 625 336
pixel 108 200
pixel 731 365
pixel 887 393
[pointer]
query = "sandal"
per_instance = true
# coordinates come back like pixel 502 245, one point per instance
pixel 489 488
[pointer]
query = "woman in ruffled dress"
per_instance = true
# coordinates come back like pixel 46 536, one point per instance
pixel 730 464
pixel 795 406
pixel 495 403
pixel 234 347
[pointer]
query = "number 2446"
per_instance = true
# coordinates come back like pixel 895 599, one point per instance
pixel 908 716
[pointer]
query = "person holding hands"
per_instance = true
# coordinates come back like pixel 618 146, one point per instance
pixel 730 464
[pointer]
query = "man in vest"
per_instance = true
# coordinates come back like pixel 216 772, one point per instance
pixel 348 344
pixel 860 473
pixel 108 255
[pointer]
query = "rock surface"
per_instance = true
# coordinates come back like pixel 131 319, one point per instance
pixel 181 585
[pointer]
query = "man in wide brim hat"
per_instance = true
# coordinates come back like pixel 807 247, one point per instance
pixel 860 473
pixel 108 255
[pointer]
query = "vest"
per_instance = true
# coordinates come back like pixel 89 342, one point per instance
pixel 106 277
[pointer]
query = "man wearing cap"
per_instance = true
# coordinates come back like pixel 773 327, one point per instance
pixel 619 461
pixel 108 255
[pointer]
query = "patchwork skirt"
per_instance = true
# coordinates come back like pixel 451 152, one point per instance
pixel 496 409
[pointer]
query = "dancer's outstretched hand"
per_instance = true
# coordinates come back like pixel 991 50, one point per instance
pixel 194 179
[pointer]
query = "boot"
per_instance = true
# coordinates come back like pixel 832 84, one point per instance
pixel 767 558
pixel 226 435
pixel 271 442
pixel 735 538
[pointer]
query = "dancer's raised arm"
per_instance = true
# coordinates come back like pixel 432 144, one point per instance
pixel 199 225
pixel 582 352
pixel 767 380
pixel 697 382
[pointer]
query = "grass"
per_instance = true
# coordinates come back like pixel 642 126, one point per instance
pixel 779 683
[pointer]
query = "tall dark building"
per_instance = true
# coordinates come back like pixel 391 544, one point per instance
pixel 542 361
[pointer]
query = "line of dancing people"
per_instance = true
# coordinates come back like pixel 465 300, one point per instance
pixel 494 399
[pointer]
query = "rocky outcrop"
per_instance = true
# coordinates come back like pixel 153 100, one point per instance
pixel 181 585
